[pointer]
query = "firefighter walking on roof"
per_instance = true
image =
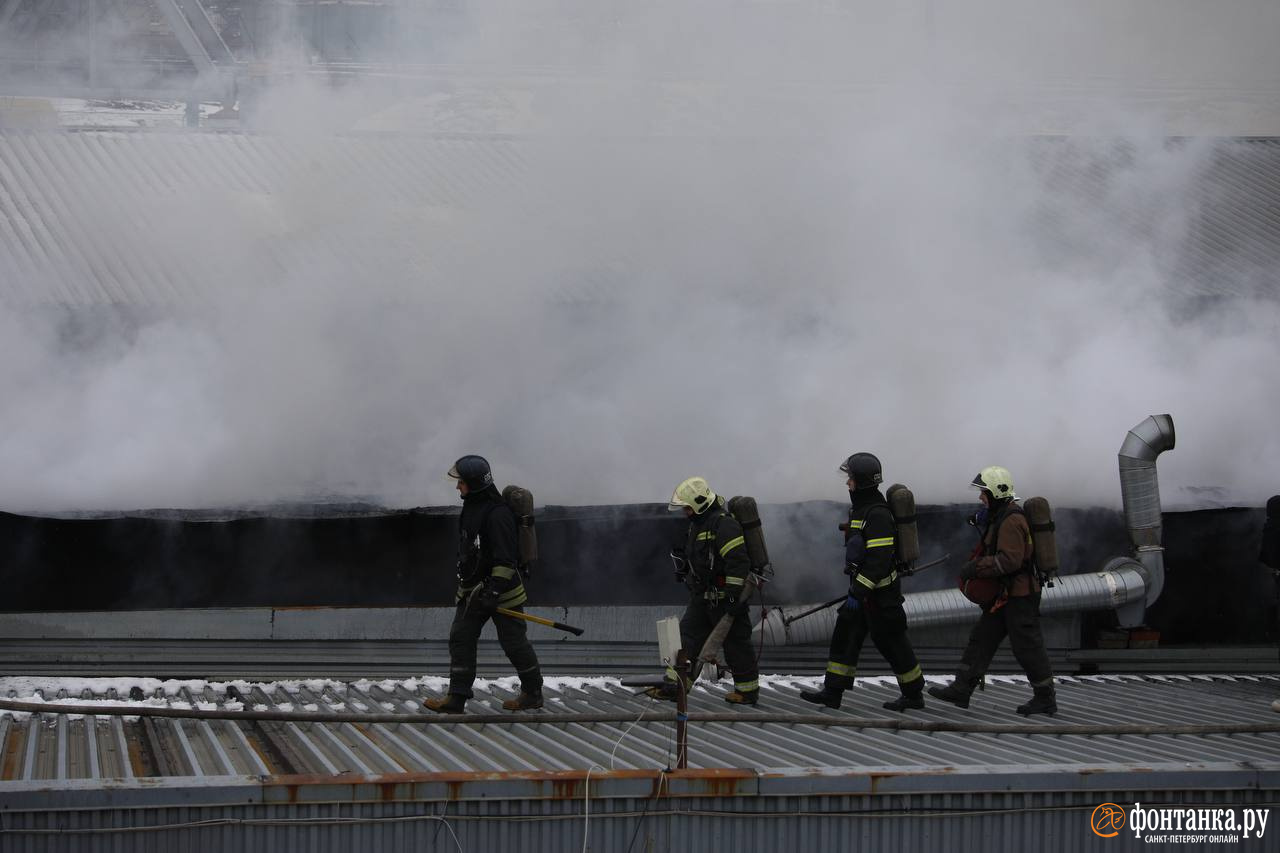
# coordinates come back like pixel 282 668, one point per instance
pixel 714 565
pixel 1004 561
pixel 488 578
pixel 874 605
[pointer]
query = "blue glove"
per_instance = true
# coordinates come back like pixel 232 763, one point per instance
pixel 851 603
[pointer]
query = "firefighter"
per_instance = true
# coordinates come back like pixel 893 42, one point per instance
pixel 713 564
pixel 874 605
pixel 1269 555
pixel 488 578
pixel 1004 554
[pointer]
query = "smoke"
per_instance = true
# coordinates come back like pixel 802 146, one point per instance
pixel 737 239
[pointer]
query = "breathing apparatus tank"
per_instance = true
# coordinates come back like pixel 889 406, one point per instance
pixel 902 503
pixel 1044 541
pixel 744 509
pixel 520 501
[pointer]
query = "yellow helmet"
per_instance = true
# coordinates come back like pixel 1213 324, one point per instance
pixel 693 493
pixel 996 480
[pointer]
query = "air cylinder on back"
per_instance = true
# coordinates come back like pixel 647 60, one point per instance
pixel 903 505
pixel 1045 541
pixel 744 509
pixel 521 502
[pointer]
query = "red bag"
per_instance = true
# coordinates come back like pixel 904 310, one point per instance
pixel 984 592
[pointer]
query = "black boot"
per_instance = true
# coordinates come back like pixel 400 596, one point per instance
pixel 1045 701
pixel 905 701
pixel 738 697
pixel 825 696
pixel 957 693
pixel 526 701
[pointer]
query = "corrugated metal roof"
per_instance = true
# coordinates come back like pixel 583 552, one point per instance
pixel 92 218
pixel 1221 237
pixel 59 746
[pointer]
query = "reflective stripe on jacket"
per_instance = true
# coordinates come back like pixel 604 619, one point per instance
pixel 489 547
pixel 717 553
pixel 870 542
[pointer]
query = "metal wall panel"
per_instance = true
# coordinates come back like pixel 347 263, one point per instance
pixel 101 218
pixel 150 219
pixel 929 823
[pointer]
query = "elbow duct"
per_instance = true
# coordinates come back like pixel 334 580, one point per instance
pixel 1140 491
pixel 1126 585
pixel 1122 585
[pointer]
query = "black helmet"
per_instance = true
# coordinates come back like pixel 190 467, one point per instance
pixel 864 469
pixel 474 471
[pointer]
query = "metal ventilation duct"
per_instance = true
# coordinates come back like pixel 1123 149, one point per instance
pixel 1126 585
pixel 1122 585
pixel 1140 491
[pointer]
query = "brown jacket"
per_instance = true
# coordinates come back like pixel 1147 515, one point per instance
pixel 1006 554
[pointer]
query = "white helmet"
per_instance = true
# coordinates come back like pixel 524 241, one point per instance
pixel 995 480
pixel 693 493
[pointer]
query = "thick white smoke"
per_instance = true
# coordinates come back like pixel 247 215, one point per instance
pixel 747 240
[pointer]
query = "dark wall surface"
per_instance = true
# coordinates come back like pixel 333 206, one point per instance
pixel 1216 591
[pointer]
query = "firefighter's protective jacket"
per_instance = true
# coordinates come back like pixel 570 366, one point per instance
pixel 488 547
pixel 1007 551
pixel 869 541
pixel 717 554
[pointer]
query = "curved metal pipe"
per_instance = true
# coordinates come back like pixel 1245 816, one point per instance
pixel 1140 491
pixel 1123 582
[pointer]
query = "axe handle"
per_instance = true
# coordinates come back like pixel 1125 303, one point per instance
pixel 835 601
pixel 928 565
pixel 550 623
pixel 813 610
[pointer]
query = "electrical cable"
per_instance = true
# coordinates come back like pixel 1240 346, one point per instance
pixel 662 775
pixel 626 732
pixel 235 821
pixel 586 806
pixel 444 814
pixel 735 814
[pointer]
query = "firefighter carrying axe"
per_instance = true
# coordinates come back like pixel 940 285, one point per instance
pixel 836 601
pixel 559 626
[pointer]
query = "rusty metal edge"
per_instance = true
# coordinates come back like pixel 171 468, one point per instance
pixel 80 794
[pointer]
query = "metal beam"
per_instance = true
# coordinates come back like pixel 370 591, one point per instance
pixel 206 32
pixel 191 43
